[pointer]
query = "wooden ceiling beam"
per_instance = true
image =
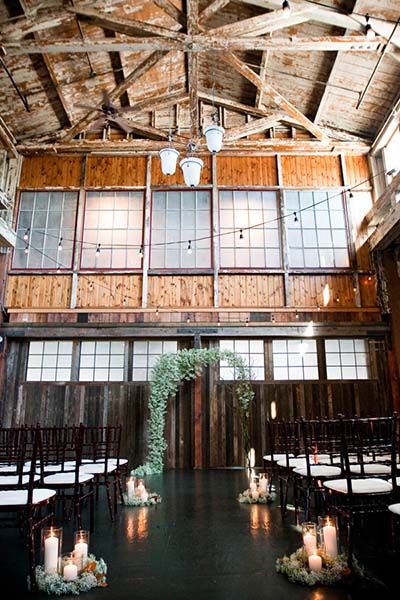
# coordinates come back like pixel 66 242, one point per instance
pixel 199 43
pixel 33 24
pixel 265 23
pixel 255 126
pixel 124 25
pixel 192 9
pixel 263 72
pixel 274 95
pixel 159 102
pixel 171 11
pixel 140 70
pixel 211 9
pixel 7 139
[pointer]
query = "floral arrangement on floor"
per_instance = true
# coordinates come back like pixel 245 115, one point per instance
pixel 167 374
pixel 260 498
pixel 295 567
pixel 151 500
pixel 93 575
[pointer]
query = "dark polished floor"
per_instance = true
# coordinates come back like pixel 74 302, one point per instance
pixel 199 544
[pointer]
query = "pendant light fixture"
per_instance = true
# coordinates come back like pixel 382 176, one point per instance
pixel 286 8
pixel 169 155
pixel 214 133
pixel 369 32
pixel 191 167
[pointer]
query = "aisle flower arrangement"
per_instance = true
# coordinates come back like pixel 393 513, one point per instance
pixel 296 569
pixel 92 575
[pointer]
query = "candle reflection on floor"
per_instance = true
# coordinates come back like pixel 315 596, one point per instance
pixel 137 524
pixel 259 520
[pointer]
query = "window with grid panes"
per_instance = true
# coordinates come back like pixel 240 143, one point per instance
pixel 46 217
pixel 49 361
pixel 295 359
pixel 255 248
pixel 252 352
pixel 347 359
pixel 318 239
pixel 145 355
pixel 180 216
pixel 115 221
pixel 102 361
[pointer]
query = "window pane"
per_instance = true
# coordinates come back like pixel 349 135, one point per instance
pixel 252 352
pixel 146 354
pixel 350 359
pixel 49 361
pixel 295 359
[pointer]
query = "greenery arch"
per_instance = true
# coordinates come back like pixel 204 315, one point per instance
pixel 169 371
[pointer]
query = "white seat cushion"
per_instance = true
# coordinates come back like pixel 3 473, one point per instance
pixel 13 469
pixel 360 486
pixel 371 469
pixel 72 463
pixel 97 468
pixel 276 457
pixel 13 479
pixel 67 478
pixel 319 471
pixel 58 468
pixel 395 508
pixel 20 497
pixel 293 462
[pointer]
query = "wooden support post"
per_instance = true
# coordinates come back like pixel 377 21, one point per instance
pixel 284 240
pixel 146 233
pixel 215 226
pixel 198 416
pixel 352 247
pixel 79 236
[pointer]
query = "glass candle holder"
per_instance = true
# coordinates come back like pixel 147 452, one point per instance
pixel 309 532
pixel 81 548
pixel 263 482
pixel 253 484
pixel 69 568
pixel 130 487
pixel 140 489
pixel 51 545
pixel 329 535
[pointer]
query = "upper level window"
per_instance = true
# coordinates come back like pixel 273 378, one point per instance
pixel 49 361
pixel 47 221
pixel 252 352
pixel 295 359
pixel 180 217
pixel 102 361
pixel 318 239
pixel 115 221
pixel 347 359
pixel 258 247
pixel 392 152
pixel 146 354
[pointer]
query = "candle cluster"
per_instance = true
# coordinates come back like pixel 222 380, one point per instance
pixel 320 543
pixel 135 489
pixel 74 562
pixel 258 490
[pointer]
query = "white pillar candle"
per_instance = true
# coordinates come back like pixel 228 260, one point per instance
pixel 81 551
pixel 315 562
pixel 70 571
pixel 255 495
pixel 310 543
pixel 263 483
pixel 51 554
pixel 145 495
pixel 330 540
pixel 130 488
pixel 140 489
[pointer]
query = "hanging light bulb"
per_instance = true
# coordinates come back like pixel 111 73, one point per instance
pixel 90 286
pixel 188 319
pixel 189 247
pixel 26 234
pixel 297 314
pixel 141 253
pixel 241 236
pixel 124 302
pixel 351 195
pixel 60 244
pixel 272 318
pixel 296 218
pixel 286 8
pixel 191 167
pixel 247 322
pixel 169 158
pixel 369 32
pixel 98 250
pixel 157 312
pixel 26 249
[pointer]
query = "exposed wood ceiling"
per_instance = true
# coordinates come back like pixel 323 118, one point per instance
pixel 277 82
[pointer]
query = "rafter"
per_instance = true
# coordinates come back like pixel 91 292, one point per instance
pixel 263 72
pixel 171 10
pixel 265 23
pixel 192 8
pixel 125 26
pixel 276 97
pixel 7 138
pixel 140 70
pixel 255 126
pixel 211 9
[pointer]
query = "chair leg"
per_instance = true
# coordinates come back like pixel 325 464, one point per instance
pixel 109 501
pixel 91 508
pixel 31 553
pixel 350 540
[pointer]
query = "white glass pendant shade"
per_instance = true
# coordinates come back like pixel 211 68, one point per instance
pixel 214 136
pixel 191 168
pixel 168 157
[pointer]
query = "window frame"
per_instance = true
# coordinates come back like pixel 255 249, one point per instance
pixel 182 270
pixel 369 365
pixel 147 368
pixel 246 339
pixel 81 241
pixel 277 191
pixel 318 379
pixel 55 269
pixel 124 379
pixel 42 355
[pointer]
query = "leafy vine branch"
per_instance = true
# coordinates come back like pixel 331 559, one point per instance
pixel 169 371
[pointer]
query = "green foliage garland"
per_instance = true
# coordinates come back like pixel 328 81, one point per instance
pixel 168 373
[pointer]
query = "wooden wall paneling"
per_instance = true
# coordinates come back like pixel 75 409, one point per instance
pixel 239 291
pixel 307 290
pixel 38 291
pixel 159 179
pixel 185 291
pixel 318 171
pixel 357 168
pixel 50 172
pixel 358 208
pixel 121 286
pixel 368 290
pixel 106 172
pixel 236 171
